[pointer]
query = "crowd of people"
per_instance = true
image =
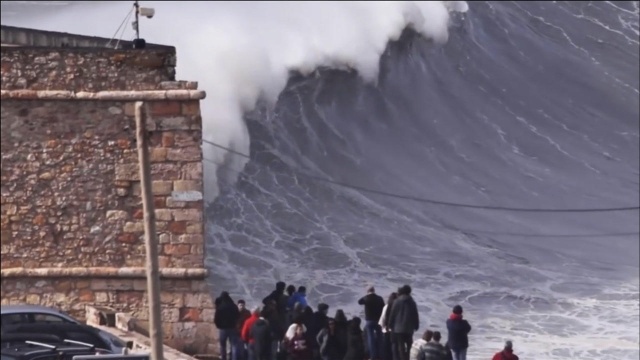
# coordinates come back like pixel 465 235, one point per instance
pixel 285 327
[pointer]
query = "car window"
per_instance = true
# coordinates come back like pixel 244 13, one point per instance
pixel 12 319
pixel 48 318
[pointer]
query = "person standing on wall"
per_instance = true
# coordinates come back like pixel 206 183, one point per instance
pixel 373 305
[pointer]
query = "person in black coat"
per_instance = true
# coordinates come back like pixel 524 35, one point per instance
pixel 291 289
pixel 224 296
pixel 355 341
pixel 458 329
pixel 307 317
pixel 447 349
pixel 403 322
pixel 319 321
pixel 280 299
pixel 342 332
pixel 373 305
pixel 329 343
pixel 226 320
pixel 275 324
pixel 261 333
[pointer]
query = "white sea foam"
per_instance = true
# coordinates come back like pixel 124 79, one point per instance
pixel 544 321
pixel 242 51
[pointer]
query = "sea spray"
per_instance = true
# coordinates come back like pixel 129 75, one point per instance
pixel 241 52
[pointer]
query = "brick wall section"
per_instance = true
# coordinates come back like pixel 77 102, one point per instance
pixel 187 308
pixel 86 69
pixel 71 191
pixel 71 198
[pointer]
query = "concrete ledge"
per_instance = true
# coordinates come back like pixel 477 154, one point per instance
pixel 103 272
pixel 125 329
pixel 142 344
pixel 146 95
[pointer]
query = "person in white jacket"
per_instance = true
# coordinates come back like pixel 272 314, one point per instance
pixel 384 324
pixel 291 331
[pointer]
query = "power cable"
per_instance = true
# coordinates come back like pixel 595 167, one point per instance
pixel 438 202
pixel 497 233
pixel 485 232
pixel 124 21
pixel 118 136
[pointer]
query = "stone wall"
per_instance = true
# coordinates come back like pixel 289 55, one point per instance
pixel 70 181
pixel 71 213
pixel 86 69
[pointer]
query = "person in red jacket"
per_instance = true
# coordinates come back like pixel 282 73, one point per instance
pixel 506 353
pixel 245 333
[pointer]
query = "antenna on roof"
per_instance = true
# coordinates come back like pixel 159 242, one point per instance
pixel 139 43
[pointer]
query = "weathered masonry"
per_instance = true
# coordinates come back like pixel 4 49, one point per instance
pixel 72 231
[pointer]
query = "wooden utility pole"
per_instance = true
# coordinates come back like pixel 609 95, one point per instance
pixel 150 238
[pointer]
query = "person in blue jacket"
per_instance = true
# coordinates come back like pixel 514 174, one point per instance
pixel 299 296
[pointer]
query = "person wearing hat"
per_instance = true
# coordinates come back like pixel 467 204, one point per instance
pixel 373 305
pixel 458 329
pixel 506 353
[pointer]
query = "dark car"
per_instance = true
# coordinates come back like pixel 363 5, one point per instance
pixel 57 350
pixel 61 331
pixel 27 314
pixel 32 350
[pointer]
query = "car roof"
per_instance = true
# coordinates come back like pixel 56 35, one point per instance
pixel 21 309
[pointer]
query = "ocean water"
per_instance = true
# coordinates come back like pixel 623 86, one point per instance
pixel 509 104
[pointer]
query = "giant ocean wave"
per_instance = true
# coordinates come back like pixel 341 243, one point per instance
pixel 529 105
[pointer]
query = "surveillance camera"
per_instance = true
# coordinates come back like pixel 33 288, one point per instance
pixel 147 12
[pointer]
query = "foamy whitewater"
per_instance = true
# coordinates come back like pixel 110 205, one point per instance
pixel 505 104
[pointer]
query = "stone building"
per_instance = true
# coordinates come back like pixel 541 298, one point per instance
pixel 72 231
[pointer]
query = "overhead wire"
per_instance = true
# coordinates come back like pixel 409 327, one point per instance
pixel 479 231
pixel 124 21
pixel 434 201
pixel 449 228
pixel 124 28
